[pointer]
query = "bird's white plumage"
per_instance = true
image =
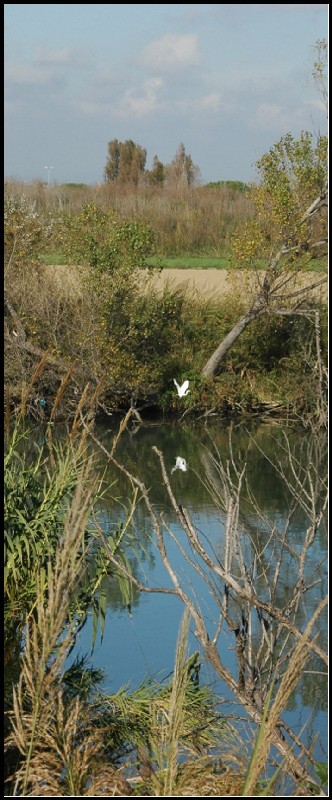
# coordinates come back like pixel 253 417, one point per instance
pixel 180 463
pixel 182 390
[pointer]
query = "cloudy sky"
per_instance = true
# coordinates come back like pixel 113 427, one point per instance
pixel 225 80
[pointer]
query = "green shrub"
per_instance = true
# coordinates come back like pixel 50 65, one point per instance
pixel 104 242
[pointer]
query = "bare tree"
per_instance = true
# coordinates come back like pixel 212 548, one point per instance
pixel 182 172
pixel 276 292
pixel 291 205
pixel 269 645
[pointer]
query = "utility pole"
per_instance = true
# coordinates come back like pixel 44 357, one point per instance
pixel 48 175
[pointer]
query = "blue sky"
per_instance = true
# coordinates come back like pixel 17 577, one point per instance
pixel 225 80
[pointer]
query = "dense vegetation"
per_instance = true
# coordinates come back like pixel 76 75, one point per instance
pixel 100 322
pixel 97 337
pixel 65 735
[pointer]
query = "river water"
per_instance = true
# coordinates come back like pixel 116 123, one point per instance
pixel 139 639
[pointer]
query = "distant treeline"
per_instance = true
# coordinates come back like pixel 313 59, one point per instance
pixel 238 186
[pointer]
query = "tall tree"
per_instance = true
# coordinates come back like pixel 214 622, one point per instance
pixel 156 175
pixel 125 163
pixel 111 172
pixel 182 171
pixel 289 228
pixel 291 222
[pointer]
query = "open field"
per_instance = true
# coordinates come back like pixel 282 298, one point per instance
pixel 214 283
pixel 218 283
pixel 211 262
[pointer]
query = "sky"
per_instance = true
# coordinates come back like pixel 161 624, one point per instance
pixel 226 81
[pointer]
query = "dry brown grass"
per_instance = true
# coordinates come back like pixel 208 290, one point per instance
pixel 195 220
pixel 198 781
pixel 208 282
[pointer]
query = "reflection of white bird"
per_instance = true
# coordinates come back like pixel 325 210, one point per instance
pixel 182 390
pixel 180 464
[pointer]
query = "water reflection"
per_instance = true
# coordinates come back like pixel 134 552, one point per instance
pixel 271 523
pixel 144 642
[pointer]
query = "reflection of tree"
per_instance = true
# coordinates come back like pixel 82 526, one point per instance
pixel 313 693
pixel 309 693
pixel 245 579
pixel 270 518
pixel 283 522
pixel 135 553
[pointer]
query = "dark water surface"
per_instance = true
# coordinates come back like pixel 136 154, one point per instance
pixel 140 642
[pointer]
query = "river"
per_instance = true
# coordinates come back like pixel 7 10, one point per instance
pixel 139 638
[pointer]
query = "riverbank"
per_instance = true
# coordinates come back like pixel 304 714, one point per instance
pixel 128 346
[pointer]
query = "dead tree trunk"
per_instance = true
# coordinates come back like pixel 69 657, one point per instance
pixel 213 364
pixel 272 296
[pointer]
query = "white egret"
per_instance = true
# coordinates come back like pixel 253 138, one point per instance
pixel 180 464
pixel 182 390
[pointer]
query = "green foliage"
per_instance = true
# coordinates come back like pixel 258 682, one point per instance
pixel 152 338
pixel 34 507
pixel 292 175
pixel 238 186
pixel 188 262
pixel 116 327
pixel 37 491
pixel 156 175
pixel 165 721
pixel 106 243
pixel 67 734
pixel 321 769
pixel 74 185
pixel 80 680
pixel 269 340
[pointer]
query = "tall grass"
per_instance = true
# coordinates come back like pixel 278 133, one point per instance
pixel 36 493
pixel 60 746
pixel 166 743
pixel 273 710
pixel 190 221
pixel 44 650
pixel 67 744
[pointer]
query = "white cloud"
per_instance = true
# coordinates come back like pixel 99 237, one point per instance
pixel 172 52
pixel 208 102
pixel 47 66
pixel 140 105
